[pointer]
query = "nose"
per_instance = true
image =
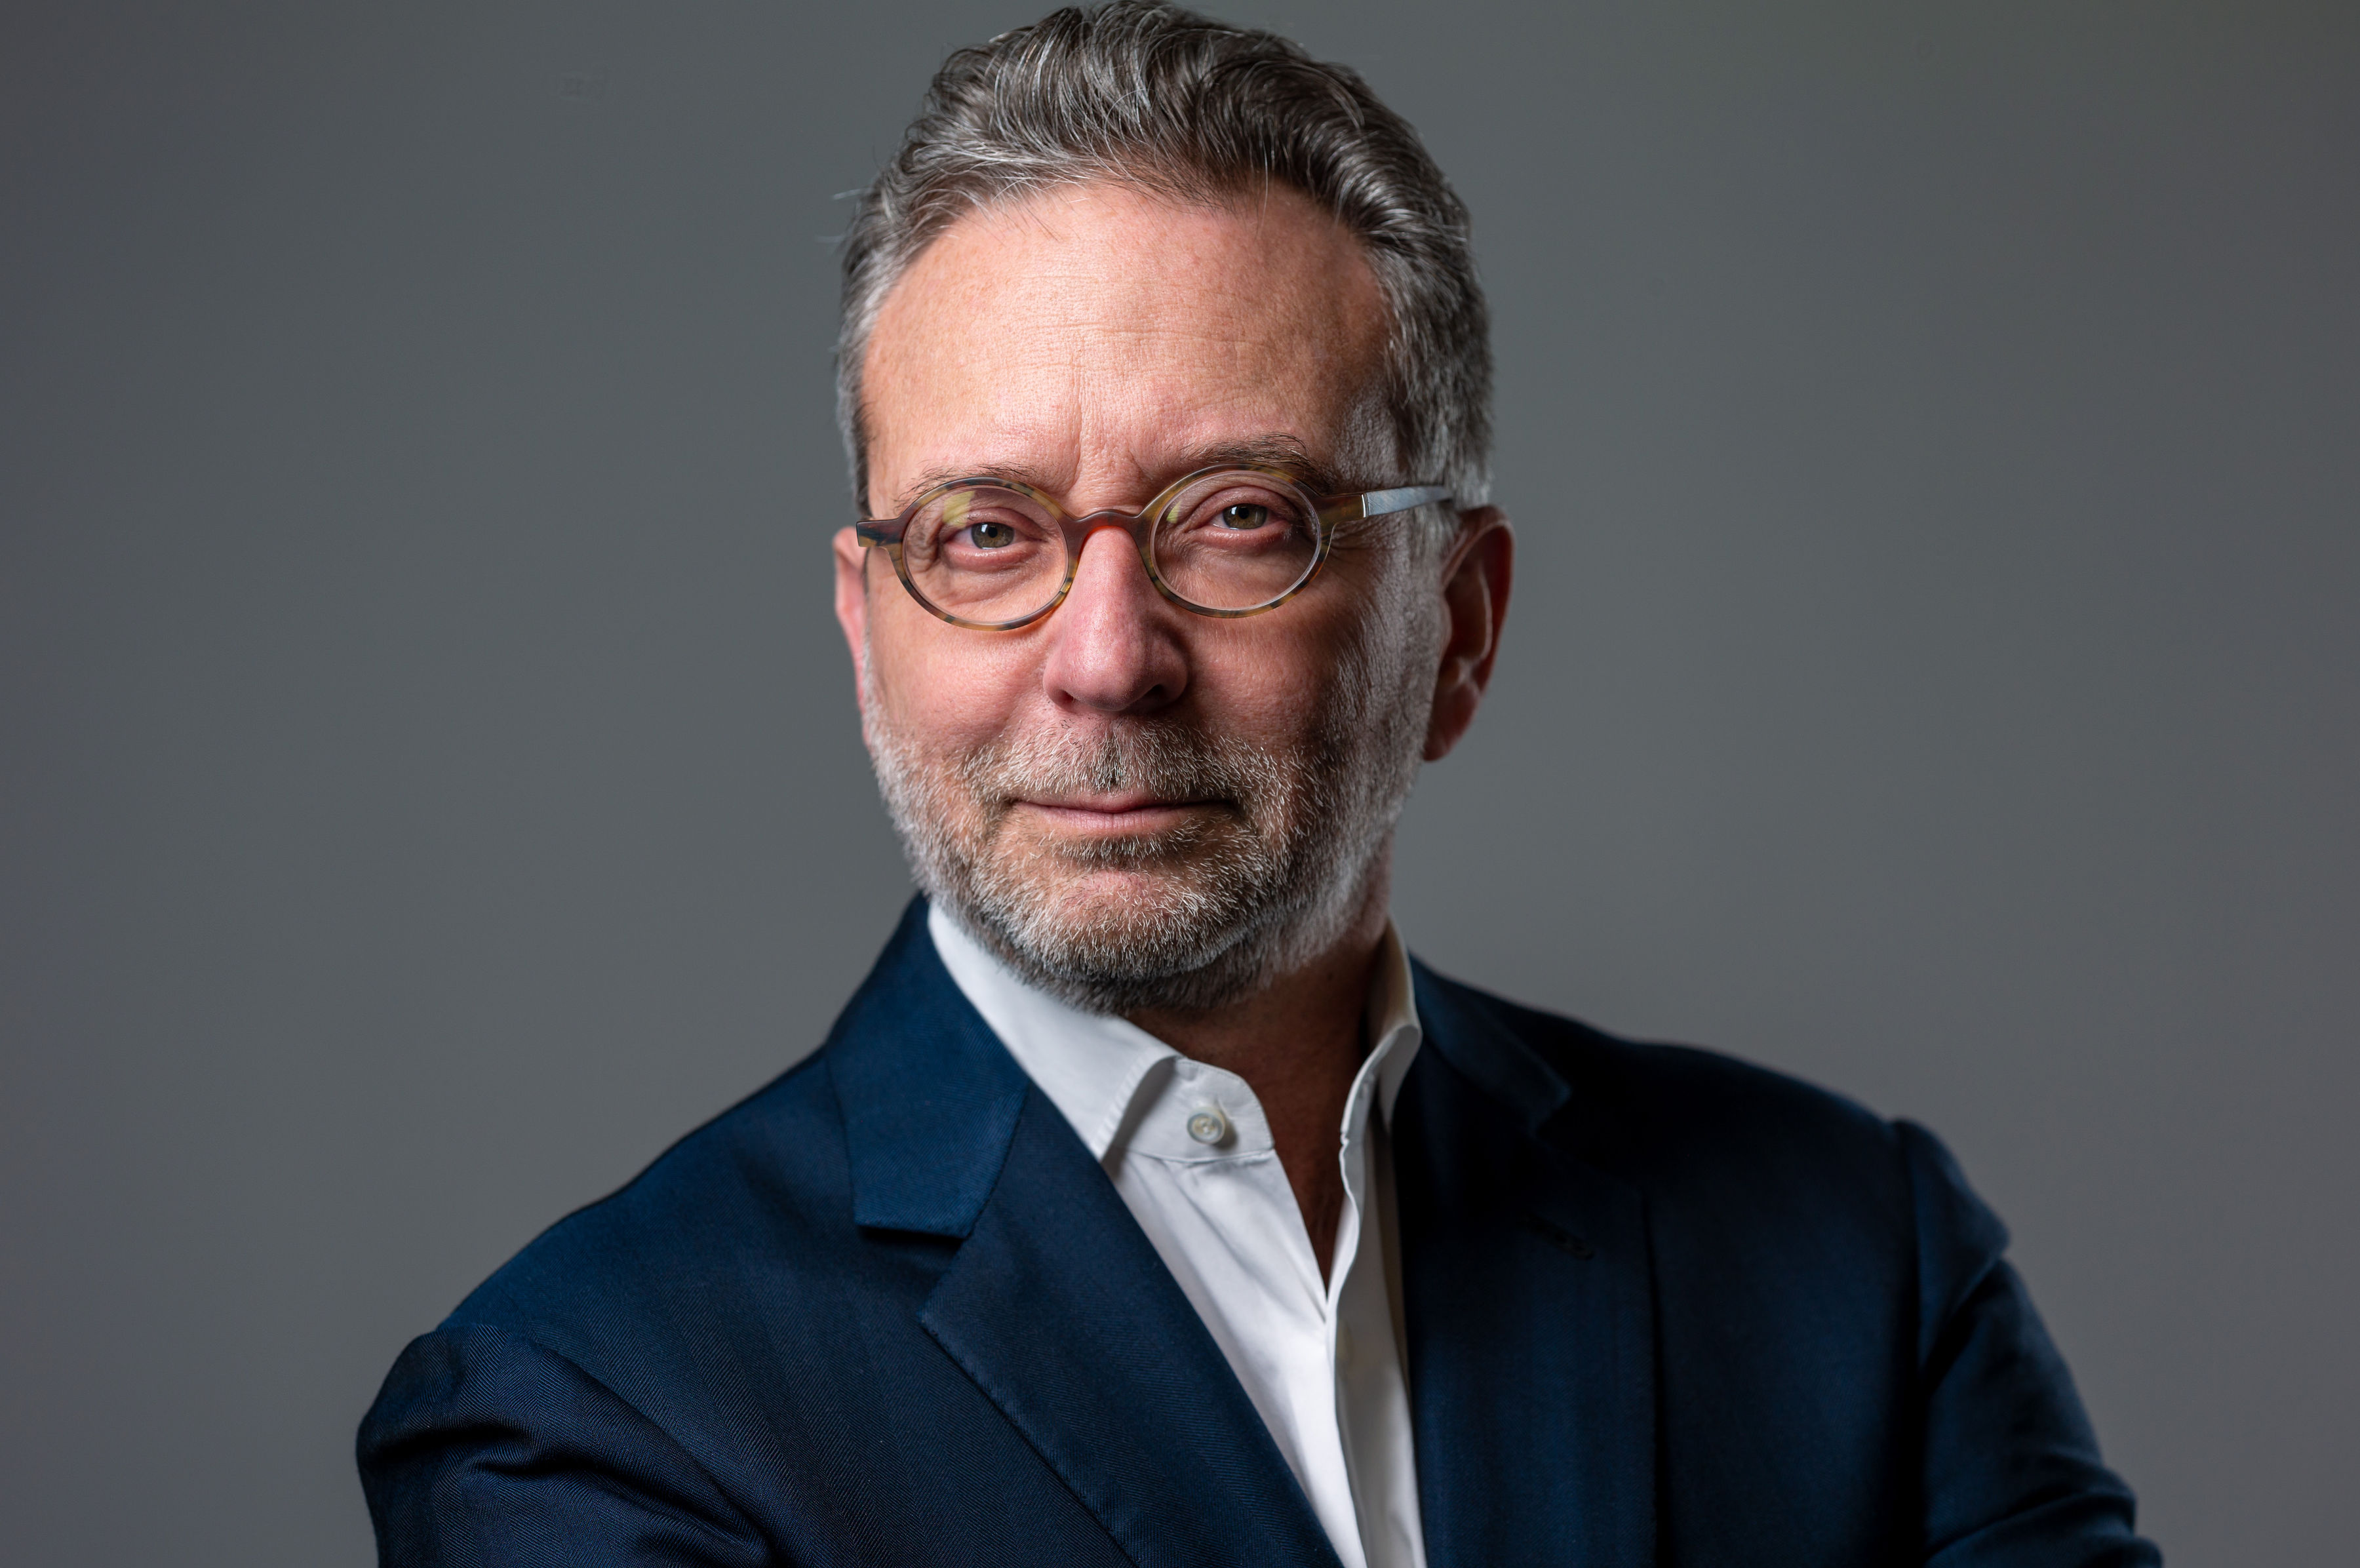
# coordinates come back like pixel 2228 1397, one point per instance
pixel 1113 643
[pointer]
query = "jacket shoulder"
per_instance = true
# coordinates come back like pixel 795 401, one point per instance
pixel 766 1177
pixel 1696 1128
pixel 1646 1085
pixel 750 1221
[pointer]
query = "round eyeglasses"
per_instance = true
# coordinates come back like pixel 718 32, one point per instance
pixel 995 554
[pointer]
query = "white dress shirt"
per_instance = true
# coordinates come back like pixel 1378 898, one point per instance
pixel 1189 1149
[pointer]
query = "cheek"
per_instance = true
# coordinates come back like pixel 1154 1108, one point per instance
pixel 1277 677
pixel 947 686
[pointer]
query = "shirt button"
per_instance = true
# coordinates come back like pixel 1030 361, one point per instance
pixel 1208 1126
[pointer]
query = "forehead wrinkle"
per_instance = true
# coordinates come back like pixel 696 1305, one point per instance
pixel 1084 445
pixel 1276 449
pixel 1081 437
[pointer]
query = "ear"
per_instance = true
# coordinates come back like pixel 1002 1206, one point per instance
pixel 1475 578
pixel 852 599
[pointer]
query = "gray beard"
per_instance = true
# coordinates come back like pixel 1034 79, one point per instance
pixel 1237 897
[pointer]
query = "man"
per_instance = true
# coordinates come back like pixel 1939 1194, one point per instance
pixel 1147 1204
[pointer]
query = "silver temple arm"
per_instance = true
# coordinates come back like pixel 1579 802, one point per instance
pixel 1383 503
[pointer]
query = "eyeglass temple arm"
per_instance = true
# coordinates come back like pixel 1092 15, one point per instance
pixel 1381 503
pixel 879 530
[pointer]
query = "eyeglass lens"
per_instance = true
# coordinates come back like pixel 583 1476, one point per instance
pixel 1226 541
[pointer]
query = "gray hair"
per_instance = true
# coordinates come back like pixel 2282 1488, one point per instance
pixel 1155 97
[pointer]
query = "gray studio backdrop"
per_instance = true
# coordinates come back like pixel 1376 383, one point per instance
pixel 429 782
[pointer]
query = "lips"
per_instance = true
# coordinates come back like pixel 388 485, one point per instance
pixel 1114 804
pixel 1124 813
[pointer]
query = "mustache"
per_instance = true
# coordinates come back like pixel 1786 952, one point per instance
pixel 1161 758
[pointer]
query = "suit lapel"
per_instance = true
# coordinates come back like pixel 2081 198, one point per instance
pixel 1057 1306
pixel 1064 1315
pixel 1529 1311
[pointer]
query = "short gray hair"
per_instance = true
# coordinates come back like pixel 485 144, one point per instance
pixel 1161 99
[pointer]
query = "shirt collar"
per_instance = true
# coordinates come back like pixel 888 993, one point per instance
pixel 1093 1067
pixel 1394 1032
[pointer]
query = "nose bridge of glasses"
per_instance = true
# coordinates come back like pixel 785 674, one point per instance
pixel 1080 531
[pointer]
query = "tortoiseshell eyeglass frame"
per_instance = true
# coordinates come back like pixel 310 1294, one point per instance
pixel 1333 512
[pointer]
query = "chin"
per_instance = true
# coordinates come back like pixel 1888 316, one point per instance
pixel 1108 901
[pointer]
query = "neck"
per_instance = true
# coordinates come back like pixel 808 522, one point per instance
pixel 1298 1043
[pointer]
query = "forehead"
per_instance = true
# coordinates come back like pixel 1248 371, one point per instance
pixel 1100 336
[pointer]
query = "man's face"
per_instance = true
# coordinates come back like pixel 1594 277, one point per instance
pixel 1139 807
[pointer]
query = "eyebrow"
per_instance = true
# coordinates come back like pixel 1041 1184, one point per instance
pixel 1284 452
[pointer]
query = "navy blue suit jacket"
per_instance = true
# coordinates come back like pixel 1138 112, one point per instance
pixel 1661 1308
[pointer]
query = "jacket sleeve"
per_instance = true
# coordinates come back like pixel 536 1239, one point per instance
pixel 2012 1474
pixel 485 1447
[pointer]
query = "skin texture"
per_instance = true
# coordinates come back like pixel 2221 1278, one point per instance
pixel 1098 341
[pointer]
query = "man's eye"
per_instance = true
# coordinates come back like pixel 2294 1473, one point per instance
pixel 1243 515
pixel 991 536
